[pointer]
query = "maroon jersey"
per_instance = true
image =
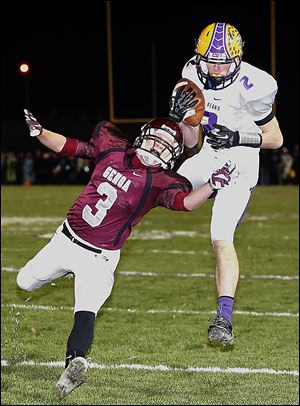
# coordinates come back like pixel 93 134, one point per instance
pixel 120 192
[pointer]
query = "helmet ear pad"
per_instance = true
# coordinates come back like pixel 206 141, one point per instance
pixel 163 138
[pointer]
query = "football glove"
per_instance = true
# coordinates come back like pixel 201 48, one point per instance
pixel 35 128
pixel 181 103
pixel 221 177
pixel 221 137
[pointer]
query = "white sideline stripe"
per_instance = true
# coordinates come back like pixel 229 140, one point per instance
pixel 155 251
pixel 151 311
pixel 187 275
pixel 288 278
pixel 205 275
pixel 164 368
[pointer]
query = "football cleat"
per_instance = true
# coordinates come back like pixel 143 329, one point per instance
pixel 220 331
pixel 72 377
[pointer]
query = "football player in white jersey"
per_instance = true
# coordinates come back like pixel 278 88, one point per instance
pixel 237 122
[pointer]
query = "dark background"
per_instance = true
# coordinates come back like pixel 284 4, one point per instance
pixel 67 52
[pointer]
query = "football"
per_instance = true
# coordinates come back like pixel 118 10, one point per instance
pixel 193 116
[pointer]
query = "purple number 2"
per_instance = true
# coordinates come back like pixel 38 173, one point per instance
pixel 246 83
pixel 212 119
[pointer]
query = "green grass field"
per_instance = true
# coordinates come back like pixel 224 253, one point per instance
pixel 150 345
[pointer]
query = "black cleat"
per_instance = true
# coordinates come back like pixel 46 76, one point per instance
pixel 220 331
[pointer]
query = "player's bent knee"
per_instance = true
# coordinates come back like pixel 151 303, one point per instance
pixel 222 243
pixel 222 247
pixel 25 280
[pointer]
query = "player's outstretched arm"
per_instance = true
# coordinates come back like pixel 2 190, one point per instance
pixel 51 140
pixel 222 137
pixel 218 180
pixel 190 134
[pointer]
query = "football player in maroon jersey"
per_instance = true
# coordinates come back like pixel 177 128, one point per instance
pixel 127 182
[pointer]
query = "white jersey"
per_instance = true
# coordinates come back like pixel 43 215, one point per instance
pixel 240 107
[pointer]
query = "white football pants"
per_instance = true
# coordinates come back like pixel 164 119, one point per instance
pixel 94 273
pixel 231 201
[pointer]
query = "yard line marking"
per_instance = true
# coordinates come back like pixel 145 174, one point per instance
pixel 164 368
pixel 33 219
pixel 29 220
pixel 183 275
pixel 152 311
pixel 288 278
pixel 157 251
pixel 202 253
pixel 186 275
pixel 9 269
pixel 137 234
pixel 205 275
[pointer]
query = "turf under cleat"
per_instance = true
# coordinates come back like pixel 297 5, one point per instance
pixel 220 331
pixel 72 377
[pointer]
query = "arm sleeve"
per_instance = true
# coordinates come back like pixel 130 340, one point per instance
pixel 79 149
pixel 69 149
pixel 178 201
pixel 105 136
pixel 85 150
pixel 172 198
pixel 261 109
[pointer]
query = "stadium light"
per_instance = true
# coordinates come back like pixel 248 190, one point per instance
pixel 24 68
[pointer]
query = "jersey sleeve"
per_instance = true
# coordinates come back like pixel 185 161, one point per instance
pixel 105 136
pixel 168 196
pixel 259 93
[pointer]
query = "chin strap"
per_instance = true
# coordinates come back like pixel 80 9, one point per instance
pixel 209 84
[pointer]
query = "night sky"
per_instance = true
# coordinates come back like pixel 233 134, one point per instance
pixel 67 53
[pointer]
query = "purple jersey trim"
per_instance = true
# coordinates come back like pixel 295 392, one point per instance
pixel 139 208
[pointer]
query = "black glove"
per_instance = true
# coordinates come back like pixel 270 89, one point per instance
pixel 180 102
pixel 35 128
pixel 221 137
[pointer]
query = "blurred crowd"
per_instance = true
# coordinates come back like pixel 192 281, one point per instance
pixel 277 167
pixel 43 168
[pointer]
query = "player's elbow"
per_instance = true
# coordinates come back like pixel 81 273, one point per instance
pixel 277 141
pixel 187 206
pixel 276 135
pixel 192 141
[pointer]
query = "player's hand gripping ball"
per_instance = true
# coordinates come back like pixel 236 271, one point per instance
pixel 187 103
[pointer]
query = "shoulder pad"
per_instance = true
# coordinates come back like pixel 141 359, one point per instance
pixel 108 128
pixel 189 71
pixel 255 83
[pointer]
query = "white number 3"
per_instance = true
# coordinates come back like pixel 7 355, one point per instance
pixel 102 205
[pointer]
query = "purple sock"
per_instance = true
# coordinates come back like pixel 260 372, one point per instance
pixel 225 305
